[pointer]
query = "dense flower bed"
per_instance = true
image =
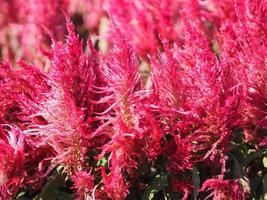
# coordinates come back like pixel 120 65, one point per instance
pixel 133 99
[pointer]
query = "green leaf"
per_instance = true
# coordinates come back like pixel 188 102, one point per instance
pixel 264 183
pixel 51 190
pixel 255 185
pixel 157 184
pixel 63 196
pixel 238 170
pixel 131 195
pixel 264 161
pixel 196 181
pixel 21 194
pixel 251 157
pixel 103 162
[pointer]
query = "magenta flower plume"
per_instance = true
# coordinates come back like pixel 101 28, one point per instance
pixel 120 72
pixel 224 189
pixel 249 30
pixel 144 22
pixel 84 185
pixel 24 22
pixel 12 157
pixel 179 155
pixel 173 108
pixel 66 108
pixel 20 93
pixel 133 125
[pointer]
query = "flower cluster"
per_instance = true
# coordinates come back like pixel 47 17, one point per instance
pixel 173 107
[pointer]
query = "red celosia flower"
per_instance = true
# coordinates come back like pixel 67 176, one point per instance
pixel 114 183
pixel 20 92
pixel 120 72
pixel 12 157
pixel 208 85
pixel 144 22
pixel 179 155
pixel 66 108
pixel 224 189
pixel 23 30
pixel 84 185
pixel 183 187
pixel 245 47
pixel 134 135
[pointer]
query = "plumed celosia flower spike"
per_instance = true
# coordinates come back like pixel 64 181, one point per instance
pixel 134 135
pixel 72 69
pixel 253 52
pixel 201 98
pixel 166 75
pixel 144 22
pixel 84 186
pixel 77 73
pixel 20 93
pixel 173 89
pixel 67 109
pixel 180 154
pixel 210 81
pixel 63 130
pixel 120 72
pixel 224 189
pixel 141 24
pixel 198 57
pixel 12 163
pixel 199 65
pixel 21 35
pixel 244 45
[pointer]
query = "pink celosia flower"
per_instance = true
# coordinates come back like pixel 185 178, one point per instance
pixel 66 108
pixel 114 183
pixel 238 39
pixel 12 157
pixel 144 22
pixel 23 31
pixel 20 92
pixel 134 135
pixel 182 186
pixel 206 100
pixel 84 185
pixel 179 155
pixel 224 189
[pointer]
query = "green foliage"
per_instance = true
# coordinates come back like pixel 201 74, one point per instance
pixel 158 183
